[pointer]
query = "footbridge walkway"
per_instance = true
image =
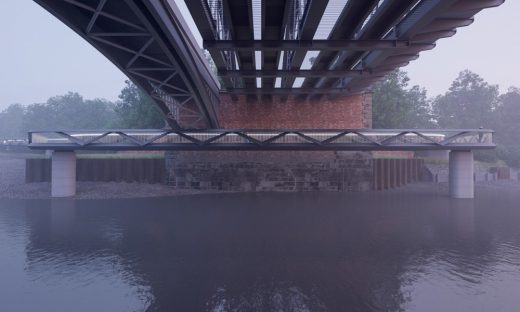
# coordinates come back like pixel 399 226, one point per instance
pixel 460 142
pixel 254 139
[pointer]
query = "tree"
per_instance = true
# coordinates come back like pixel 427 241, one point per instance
pixel 137 110
pixel 69 111
pixel 395 105
pixel 507 117
pixel 469 103
pixel 11 120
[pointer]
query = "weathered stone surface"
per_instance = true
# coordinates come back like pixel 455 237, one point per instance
pixel 280 171
pixel 259 171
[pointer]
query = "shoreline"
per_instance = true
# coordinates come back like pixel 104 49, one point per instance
pixel 13 186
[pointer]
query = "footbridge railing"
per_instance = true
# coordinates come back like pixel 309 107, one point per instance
pixel 287 139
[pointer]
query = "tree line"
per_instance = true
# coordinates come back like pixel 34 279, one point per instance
pixel 134 109
pixel 469 103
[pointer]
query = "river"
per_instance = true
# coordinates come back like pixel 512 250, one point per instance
pixel 387 251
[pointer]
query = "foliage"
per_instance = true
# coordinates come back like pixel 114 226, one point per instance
pixel 395 105
pixel 69 111
pixel 489 156
pixel 11 120
pixel 72 111
pixel 507 117
pixel 469 103
pixel 137 110
pixel 509 154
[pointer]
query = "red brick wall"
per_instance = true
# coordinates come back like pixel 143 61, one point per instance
pixel 340 113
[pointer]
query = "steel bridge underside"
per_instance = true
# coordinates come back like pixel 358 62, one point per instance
pixel 261 48
pixel 149 41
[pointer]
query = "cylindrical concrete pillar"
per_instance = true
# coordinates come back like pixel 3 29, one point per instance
pixel 461 174
pixel 63 178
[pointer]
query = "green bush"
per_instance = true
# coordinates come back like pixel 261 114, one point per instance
pixel 509 154
pixel 489 156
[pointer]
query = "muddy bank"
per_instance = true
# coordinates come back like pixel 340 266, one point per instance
pixel 12 185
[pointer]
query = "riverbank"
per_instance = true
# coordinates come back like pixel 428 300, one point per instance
pixel 12 185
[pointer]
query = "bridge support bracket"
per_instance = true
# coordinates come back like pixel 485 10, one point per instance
pixel 63 178
pixel 461 174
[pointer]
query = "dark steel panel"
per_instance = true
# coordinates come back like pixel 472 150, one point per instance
pixel 307 45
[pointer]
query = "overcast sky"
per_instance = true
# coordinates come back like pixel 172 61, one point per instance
pixel 40 57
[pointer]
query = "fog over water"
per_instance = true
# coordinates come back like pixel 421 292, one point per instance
pixel 389 251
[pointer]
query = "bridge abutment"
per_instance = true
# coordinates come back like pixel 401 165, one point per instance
pixel 461 182
pixel 280 170
pixel 63 176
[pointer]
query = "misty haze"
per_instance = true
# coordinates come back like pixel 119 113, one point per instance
pixel 259 155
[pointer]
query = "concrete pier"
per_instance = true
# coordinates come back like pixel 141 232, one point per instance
pixel 63 179
pixel 461 174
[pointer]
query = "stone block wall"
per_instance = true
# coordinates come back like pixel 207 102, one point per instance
pixel 270 171
pixel 280 170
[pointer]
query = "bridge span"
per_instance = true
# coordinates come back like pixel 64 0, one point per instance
pixel 277 65
pixel 264 140
pixel 460 143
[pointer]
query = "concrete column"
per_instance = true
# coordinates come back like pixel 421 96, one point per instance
pixel 461 174
pixel 63 178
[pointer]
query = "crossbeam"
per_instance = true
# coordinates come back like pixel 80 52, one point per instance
pixel 244 139
pixel 288 91
pixel 271 73
pixel 321 45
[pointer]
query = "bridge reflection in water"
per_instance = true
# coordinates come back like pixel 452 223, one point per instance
pixel 263 252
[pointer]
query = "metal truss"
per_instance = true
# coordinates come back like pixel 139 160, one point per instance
pixel 226 139
pixel 126 32
pixel 366 35
pixel 151 43
pixel 308 45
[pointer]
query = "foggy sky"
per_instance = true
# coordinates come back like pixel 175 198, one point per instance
pixel 41 57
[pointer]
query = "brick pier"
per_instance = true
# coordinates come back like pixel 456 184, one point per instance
pixel 280 171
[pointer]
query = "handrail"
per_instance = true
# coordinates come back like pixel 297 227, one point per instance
pixel 263 139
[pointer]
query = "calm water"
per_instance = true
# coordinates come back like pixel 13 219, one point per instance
pixel 263 252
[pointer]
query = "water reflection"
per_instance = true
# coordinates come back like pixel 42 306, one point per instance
pixel 265 252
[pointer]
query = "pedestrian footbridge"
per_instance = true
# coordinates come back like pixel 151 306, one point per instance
pixel 279 139
pixel 460 142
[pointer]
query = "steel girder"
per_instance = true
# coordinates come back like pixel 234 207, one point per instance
pixel 149 41
pixel 428 21
pixel 270 140
pixel 308 45
pixel 213 22
pixel 288 34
